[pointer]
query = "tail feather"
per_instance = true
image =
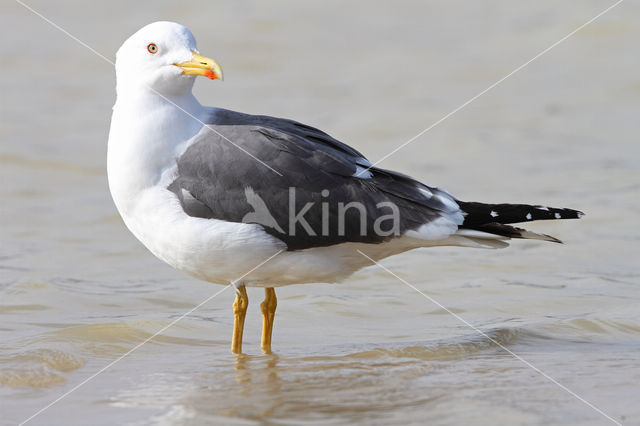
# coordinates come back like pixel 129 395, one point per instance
pixel 514 232
pixel 494 218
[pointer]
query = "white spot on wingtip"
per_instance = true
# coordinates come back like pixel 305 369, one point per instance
pixel 558 216
pixel 529 216
pixel 494 214
pixel 580 214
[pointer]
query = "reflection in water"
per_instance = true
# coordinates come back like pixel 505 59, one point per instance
pixel 257 379
pixel 359 385
pixel 377 384
pixel 311 389
pixel 243 375
pixel 373 383
pixel 265 368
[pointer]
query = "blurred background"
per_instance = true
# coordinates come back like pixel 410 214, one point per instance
pixel 77 290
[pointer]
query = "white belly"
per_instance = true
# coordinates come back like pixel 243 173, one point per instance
pixel 224 252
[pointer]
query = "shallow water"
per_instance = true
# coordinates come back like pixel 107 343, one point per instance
pixel 77 291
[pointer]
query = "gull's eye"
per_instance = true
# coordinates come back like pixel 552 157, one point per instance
pixel 152 48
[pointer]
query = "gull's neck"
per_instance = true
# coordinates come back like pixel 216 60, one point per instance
pixel 147 133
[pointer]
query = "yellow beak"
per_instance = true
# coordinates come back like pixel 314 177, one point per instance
pixel 201 65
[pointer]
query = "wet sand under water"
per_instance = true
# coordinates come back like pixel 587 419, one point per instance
pixel 77 291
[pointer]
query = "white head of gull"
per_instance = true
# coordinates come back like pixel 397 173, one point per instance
pixel 259 201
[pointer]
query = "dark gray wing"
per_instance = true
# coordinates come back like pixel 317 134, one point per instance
pixel 308 206
pixel 222 117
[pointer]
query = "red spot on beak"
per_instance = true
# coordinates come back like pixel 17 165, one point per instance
pixel 210 74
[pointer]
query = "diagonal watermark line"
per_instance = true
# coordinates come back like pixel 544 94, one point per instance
pixel 58 27
pixel 162 330
pixel 103 369
pixel 510 352
pixel 490 87
pixel 258 266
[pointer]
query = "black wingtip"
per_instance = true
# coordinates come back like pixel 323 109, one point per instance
pixel 555 213
pixel 480 213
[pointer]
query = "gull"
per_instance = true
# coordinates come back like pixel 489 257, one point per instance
pixel 213 192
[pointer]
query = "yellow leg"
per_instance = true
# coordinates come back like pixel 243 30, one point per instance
pixel 268 308
pixel 239 312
